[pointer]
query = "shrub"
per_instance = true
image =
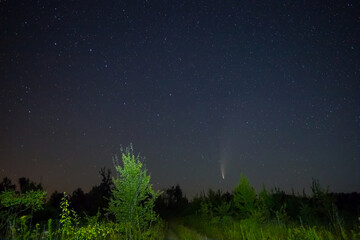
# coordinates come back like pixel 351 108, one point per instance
pixel 68 218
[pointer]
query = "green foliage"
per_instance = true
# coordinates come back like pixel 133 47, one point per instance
pixel 266 216
pixel 69 220
pixel 96 231
pixel 14 204
pixel 205 210
pixel 23 231
pixel 323 205
pixel 36 232
pixel 49 233
pixel 244 198
pixel 115 231
pixel 92 220
pixel 223 210
pixel 108 230
pixel 133 197
pixel 185 233
pixel 251 229
pixel 311 233
pixel 65 218
pixel 155 232
pixel 30 200
pixel 281 215
pixel 356 233
pixel 264 205
pixel 307 214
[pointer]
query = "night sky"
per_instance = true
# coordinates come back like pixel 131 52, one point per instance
pixel 268 89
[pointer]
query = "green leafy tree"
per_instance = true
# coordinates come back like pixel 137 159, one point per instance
pixel 244 198
pixel 133 197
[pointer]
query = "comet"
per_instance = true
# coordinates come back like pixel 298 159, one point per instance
pixel 222 169
pixel 226 148
pixel 223 173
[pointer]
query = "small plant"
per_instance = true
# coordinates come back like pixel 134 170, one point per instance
pixel 49 235
pixel 36 233
pixel 68 218
pixel 24 230
pixel 281 216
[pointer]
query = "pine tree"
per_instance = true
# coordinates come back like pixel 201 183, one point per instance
pixel 244 197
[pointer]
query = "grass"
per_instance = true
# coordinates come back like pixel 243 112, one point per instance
pixel 185 233
pixel 251 229
pixel 193 227
pixel 99 230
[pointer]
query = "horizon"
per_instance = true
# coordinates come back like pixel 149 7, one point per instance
pixel 289 191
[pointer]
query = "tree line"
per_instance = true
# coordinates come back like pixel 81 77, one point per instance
pixel 173 202
pixel 128 199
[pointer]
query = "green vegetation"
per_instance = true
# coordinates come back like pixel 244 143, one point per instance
pixel 126 207
pixel 131 205
pixel 16 212
pixel 245 215
pixel 182 232
pixel 133 197
pixel 252 229
pixel 244 198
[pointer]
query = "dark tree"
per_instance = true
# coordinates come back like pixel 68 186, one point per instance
pixel 99 195
pixel 6 184
pixel 55 200
pixel 27 185
pixel 172 202
pixel 78 201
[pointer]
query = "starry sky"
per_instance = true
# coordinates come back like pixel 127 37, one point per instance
pixel 268 89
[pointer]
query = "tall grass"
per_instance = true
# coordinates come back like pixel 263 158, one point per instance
pixel 252 229
pixel 184 233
